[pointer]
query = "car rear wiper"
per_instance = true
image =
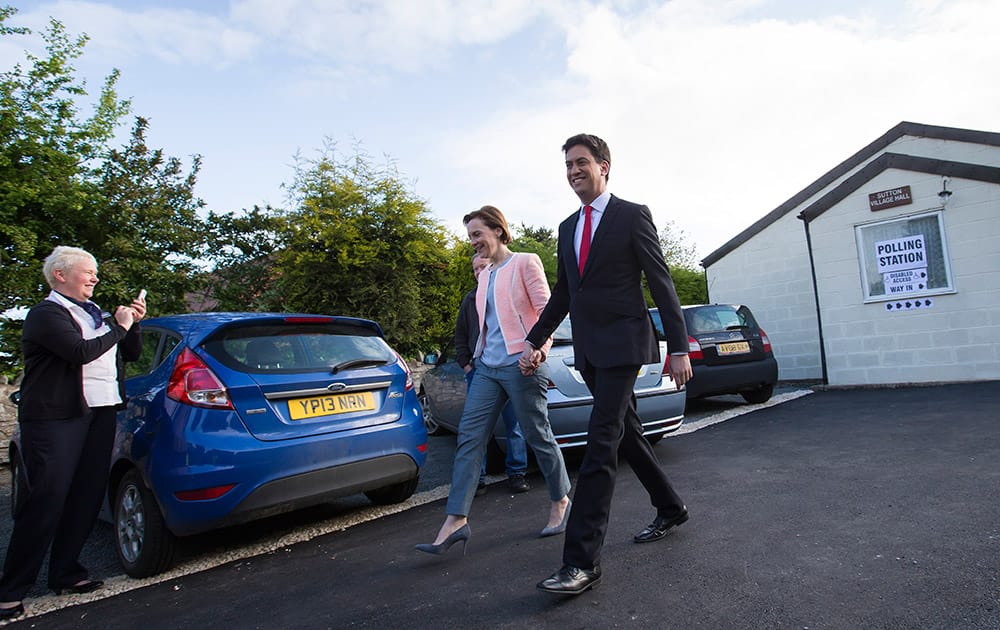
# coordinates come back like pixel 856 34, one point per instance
pixel 356 363
pixel 739 327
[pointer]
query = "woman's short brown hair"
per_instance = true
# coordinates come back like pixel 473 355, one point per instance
pixel 493 219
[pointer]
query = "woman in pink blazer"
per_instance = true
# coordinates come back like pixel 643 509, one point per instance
pixel 512 292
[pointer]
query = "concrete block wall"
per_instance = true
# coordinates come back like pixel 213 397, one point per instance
pixel 958 338
pixel 770 274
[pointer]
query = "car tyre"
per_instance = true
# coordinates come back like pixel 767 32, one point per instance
pixel 432 426
pixel 396 493
pixel 759 395
pixel 143 543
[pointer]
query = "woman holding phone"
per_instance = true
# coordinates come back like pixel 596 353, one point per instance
pixel 73 385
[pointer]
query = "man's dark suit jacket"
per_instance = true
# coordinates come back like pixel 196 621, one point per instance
pixel 611 324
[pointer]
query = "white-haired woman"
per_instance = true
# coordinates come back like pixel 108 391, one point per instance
pixel 72 386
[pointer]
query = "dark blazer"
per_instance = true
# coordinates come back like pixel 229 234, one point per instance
pixel 54 354
pixel 466 329
pixel 611 324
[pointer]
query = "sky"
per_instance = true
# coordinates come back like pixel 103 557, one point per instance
pixel 716 111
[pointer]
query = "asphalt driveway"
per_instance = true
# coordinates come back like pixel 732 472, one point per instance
pixel 842 509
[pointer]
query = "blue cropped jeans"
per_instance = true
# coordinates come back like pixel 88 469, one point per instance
pixel 516 462
pixel 490 390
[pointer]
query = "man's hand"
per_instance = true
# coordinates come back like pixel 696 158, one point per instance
pixel 679 367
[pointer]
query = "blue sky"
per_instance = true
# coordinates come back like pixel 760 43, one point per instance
pixel 716 112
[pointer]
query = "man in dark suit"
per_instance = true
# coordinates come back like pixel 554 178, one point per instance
pixel 604 250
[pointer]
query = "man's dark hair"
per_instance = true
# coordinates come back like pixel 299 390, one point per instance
pixel 598 148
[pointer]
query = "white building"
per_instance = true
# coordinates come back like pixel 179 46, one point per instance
pixel 884 270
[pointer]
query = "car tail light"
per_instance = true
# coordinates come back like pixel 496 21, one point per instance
pixel 204 494
pixel 193 383
pixel 406 368
pixel 694 349
pixel 764 338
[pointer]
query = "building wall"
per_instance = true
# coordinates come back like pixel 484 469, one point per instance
pixel 770 274
pixel 958 338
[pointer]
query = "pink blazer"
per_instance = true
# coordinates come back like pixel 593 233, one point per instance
pixel 520 293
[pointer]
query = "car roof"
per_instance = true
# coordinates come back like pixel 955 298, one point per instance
pixel 197 326
pixel 691 306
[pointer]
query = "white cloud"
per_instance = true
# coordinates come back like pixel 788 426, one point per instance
pixel 397 34
pixel 181 36
pixel 716 112
pixel 714 119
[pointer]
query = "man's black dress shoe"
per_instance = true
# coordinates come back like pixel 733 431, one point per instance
pixel 79 589
pixel 570 580
pixel 9 614
pixel 659 527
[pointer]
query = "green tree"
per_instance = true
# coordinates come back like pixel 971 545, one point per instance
pixel 356 242
pixel 541 241
pixel 243 250
pixel 676 249
pixel 44 151
pixel 145 230
pixel 680 256
pixel 62 184
pixel 690 285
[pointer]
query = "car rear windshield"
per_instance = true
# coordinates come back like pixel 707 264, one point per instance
pixel 298 347
pixel 718 318
pixel 563 333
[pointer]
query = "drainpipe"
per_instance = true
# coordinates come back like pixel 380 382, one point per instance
pixel 819 317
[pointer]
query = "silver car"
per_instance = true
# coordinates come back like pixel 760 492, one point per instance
pixel 660 404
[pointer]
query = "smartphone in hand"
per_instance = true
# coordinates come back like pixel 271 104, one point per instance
pixel 142 294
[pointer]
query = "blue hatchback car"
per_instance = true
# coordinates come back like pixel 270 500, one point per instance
pixel 235 416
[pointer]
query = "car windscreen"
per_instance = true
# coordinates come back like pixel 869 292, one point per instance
pixel 703 320
pixel 298 347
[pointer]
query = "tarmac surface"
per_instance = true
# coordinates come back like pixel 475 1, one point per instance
pixel 841 509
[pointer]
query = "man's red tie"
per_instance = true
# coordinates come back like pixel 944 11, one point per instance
pixel 585 238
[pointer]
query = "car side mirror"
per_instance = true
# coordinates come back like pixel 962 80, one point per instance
pixel 430 359
pixel 15 397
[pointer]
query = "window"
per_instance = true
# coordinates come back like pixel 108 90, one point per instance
pixel 150 359
pixel 903 257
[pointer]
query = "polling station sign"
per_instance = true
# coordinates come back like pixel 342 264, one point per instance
pixel 905 281
pixel 901 253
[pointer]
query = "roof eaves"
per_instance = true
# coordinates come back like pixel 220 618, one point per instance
pixel 902 129
pixel 961 170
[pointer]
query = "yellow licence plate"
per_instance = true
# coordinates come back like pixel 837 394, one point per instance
pixel 738 347
pixel 301 408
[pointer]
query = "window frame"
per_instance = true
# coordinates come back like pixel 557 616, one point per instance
pixel 866 259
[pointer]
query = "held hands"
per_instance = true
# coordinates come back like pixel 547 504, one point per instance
pixel 530 359
pixel 679 367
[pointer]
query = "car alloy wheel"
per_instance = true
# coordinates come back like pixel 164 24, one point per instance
pixel 433 428
pixel 144 544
